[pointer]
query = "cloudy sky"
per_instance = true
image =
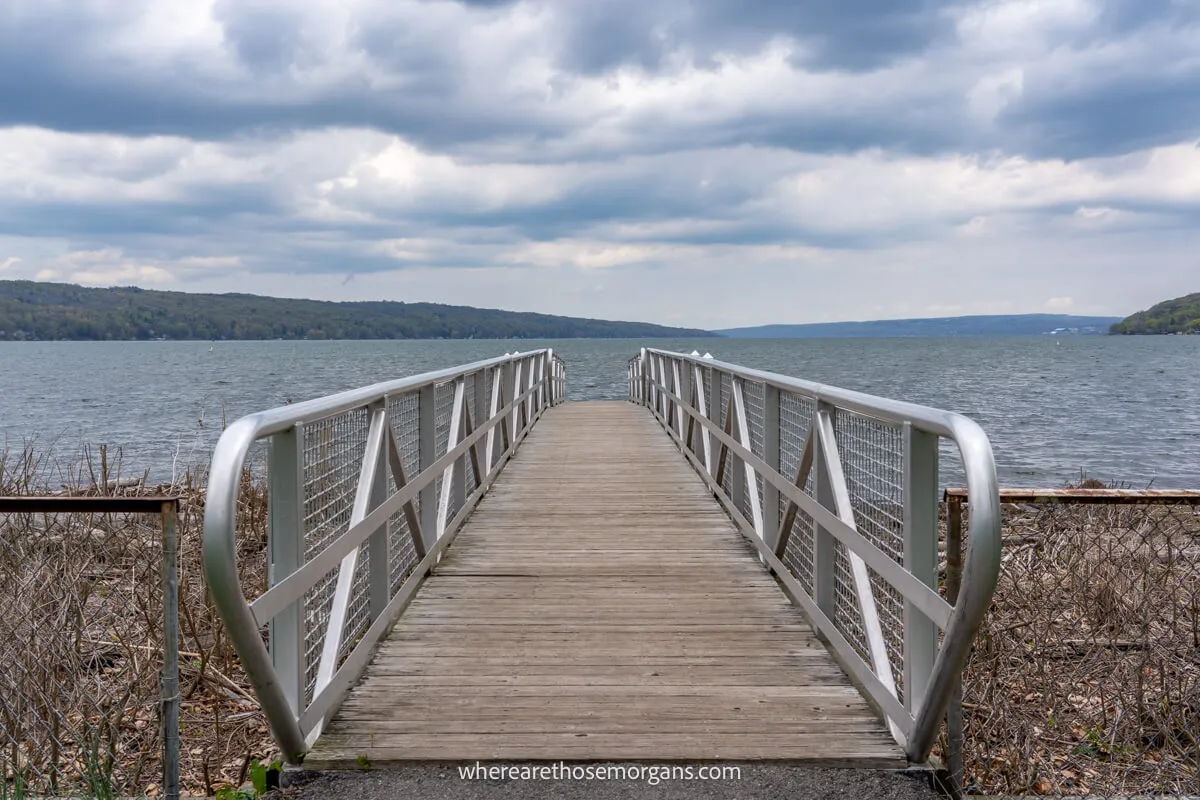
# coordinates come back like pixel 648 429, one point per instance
pixel 699 162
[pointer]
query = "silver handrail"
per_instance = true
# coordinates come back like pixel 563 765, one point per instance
pixel 353 435
pixel 706 404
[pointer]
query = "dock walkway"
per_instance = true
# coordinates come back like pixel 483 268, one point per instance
pixel 600 605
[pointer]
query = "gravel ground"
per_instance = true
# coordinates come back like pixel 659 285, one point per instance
pixel 442 782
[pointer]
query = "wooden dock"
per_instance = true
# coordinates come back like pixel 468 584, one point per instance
pixel 600 605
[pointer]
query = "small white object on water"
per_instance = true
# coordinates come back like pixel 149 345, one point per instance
pixel 695 352
pixel 707 355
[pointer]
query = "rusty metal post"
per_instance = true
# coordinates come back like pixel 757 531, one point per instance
pixel 170 670
pixel 954 713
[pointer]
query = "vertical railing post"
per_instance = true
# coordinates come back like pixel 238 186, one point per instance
pixel 770 454
pixel 544 378
pixel 714 405
pixel 737 478
pixel 479 409
pixel 824 552
pixel 643 377
pixel 506 385
pixel 920 558
pixel 459 473
pixel 528 379
pixel 562 381
pixel 285 548
pixel 378 557
pixel 652 373
pixel 657 381
pixel 687 426
pixel 170 671
pixel 427 448
pixel 954 714
pixel 458 481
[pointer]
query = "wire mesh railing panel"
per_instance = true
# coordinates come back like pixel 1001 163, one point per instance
pixel 81 638
pixel 847 612
pixel 444 397
pixel 402 555
pixel 795 422
pixel 404 417
pixel 358 612
pixel 469 484
pixel 444 409
pixel 333 450
pixel 706 377
pixel 872 454
pixel 798 552
pixel 753 395
pixel 488 386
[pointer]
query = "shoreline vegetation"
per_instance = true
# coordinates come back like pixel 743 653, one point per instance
pixel 37 311
pixel 34 311
pixel 1178 316
pixel 81 593
pixel 1082 680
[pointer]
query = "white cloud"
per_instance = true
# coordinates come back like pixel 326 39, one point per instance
pixel 993 93
pixel 1002 26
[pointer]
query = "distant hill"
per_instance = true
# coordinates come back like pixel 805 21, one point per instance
pixel 1181 315
pixel 55 311
pixel 999 325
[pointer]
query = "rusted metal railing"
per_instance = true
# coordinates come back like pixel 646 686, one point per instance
pixel 52 730
pixel 1091 641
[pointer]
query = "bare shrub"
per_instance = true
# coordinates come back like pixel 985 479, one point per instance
pixel 1086 675
pixel 81 633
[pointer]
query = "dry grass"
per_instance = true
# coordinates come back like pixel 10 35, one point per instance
pixel 81 636
pixel 1086 676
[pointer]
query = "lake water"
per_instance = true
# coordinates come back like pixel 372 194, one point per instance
pixel 1119 408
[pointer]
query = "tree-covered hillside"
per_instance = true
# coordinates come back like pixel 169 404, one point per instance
pixel 1181 315
pixel 55 311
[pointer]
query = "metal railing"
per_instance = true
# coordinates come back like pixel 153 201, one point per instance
pixel 365 490
pixel 89 645
pixel 838 491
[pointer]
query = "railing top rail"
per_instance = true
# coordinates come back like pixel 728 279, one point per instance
pixel 41 504
pixel 283 417
pixel 934 420
pixel 1189 497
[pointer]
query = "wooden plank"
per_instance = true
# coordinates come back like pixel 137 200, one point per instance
pixel 600 605
pixel 864 750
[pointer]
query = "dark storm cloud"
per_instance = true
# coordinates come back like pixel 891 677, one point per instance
pixel 411 76
pixel 836 34
pixel 1118 117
